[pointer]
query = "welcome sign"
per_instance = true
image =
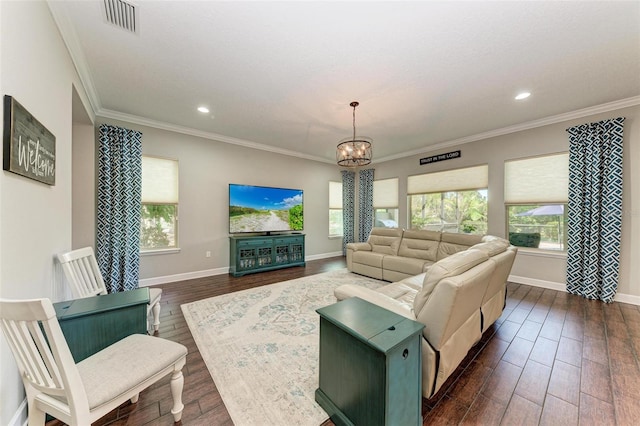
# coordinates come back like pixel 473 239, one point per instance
pixel 29 148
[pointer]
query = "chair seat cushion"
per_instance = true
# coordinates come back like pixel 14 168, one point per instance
pixel 154 295
pixel 125 364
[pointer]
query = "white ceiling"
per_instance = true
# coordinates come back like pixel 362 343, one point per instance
pixel 280 75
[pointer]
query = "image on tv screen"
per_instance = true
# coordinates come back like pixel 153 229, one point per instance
pixel 264 209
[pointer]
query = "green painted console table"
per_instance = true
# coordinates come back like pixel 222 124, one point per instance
pixel 93 323
pixel 370 365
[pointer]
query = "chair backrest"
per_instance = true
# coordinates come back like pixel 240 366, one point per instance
pixel 81 269
pixel 41 351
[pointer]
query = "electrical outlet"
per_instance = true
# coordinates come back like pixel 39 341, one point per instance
pixel 207 253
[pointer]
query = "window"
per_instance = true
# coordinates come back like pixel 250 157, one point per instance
pixel 385 202
pixel 335 209
pixel 535 196
pixel 159 216
pixel 449 201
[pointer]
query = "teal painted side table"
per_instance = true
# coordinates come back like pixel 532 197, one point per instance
pixel 251 254
pixel 93 323
pixel 370 365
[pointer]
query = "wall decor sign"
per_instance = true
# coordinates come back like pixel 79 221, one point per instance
pixel 29 149
pixel 440 157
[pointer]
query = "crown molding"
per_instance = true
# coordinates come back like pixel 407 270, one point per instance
pixel 70 38
pixel 134 119
pixel 554 119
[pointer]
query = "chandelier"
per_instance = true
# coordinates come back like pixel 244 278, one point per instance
pixel 352 151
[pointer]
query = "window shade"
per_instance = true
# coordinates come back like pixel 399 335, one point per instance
pixel 466 179
pixel 335 195
pixel 385 193
pixel 537 180
pixel 159 180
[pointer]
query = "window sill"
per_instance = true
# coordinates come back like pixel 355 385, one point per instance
pixel 542 253
pixel 335 237
pixel 160 251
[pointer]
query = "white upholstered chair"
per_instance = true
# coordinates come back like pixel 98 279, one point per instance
pixel 81 269
pixel 79 394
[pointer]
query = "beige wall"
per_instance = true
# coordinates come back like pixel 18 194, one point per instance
pixel 35 219
pixel 535 267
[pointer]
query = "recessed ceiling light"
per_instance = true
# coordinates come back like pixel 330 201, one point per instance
pixel 203 109
pixel 523 95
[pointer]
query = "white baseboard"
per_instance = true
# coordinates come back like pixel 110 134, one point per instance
pixel 20 417
pixel 622 298
pixel 147 282
pixel 322 256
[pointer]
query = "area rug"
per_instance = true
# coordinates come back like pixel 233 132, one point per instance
pixel 261 347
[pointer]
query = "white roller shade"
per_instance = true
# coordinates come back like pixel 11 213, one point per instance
pixel 335 195
pixel 159 180
pixel 466 179
pixel 385 193
pixel 537 180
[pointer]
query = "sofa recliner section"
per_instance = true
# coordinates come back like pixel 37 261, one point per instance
pixel 457 298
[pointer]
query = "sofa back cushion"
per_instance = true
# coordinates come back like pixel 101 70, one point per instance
pixel 451 243
pixel 420 244
pixel 451 266
pixel 385 240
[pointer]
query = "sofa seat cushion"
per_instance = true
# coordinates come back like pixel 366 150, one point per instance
pixel 407 265
pixel 368 258
pixel 414 281
pixel 401 292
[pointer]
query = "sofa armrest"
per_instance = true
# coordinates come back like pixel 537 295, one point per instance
pixel 359 246
pixel 349 290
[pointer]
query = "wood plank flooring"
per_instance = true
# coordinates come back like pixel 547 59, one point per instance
pixel 550 359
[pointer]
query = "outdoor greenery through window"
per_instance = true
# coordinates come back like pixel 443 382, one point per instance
pixel 335 209
pixel 455 211
pixel 159 213
pixel 449 201
pixel 536 195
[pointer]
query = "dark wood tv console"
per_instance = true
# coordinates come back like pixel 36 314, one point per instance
pixel 250 254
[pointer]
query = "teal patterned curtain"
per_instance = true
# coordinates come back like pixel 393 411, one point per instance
pixel 365 204
pixel 595 209
pixel 118 210
pixel 348 195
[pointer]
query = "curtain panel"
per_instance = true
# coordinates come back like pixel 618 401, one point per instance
pixel 595 209
pixel 118 209
pixel 365 204
pixel 348 214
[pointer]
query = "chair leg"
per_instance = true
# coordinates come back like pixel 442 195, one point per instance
pixel 36 416
pixel 177 383
pixel 134 398
pixel 156 316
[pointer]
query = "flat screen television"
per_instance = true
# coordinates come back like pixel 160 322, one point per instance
pixel 262 209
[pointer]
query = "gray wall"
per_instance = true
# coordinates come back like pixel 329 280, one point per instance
pixel 206 168
pixel 35 219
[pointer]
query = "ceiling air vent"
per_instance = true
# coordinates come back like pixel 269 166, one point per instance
pixel 122 14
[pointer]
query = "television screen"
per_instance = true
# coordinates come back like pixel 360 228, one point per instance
pixel 264 209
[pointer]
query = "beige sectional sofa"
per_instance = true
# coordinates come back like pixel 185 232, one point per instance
pixel 392 254
pixel 458 297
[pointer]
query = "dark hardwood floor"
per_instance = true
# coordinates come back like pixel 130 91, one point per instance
pixel 551 359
